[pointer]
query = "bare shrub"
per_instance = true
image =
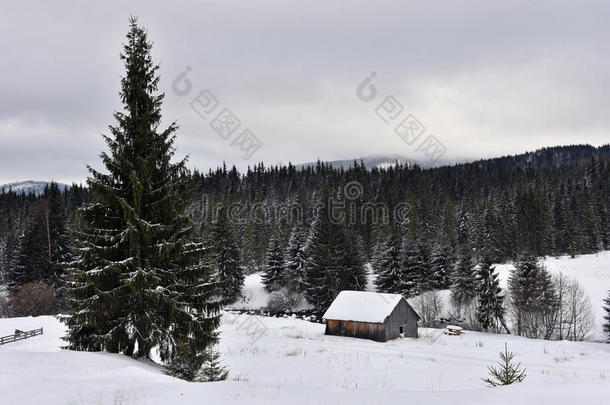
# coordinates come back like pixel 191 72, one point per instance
pixel 283 301
pixel 469 317
pixel 575 311
pixel 33 299
pixel 429 306
pixel 4 306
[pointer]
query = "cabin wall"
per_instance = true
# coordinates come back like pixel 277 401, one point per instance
pixel 364 330
pixel 403 315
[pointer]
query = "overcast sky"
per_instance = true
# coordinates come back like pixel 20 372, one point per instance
pixel 486 78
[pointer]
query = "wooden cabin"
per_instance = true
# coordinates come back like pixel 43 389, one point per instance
pixel 370 315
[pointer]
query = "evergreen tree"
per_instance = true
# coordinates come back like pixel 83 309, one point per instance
pixel 139 282
pixel 296 259
pixel 507 371
pixel 490 307
pixel 463 283
pixel 415 270
pixel 607 316
pixel 31 260
pixel 532 295
pixel 204 367
pixel 333 265
pixel 352 272
pixel 388 267
pixel 275 268
pixel 225 258
pixel 212 369
pixel 441 264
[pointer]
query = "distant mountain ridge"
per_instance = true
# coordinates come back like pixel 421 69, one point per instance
pixel 375 161
pixel 30 186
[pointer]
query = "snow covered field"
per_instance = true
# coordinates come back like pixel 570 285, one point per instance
pixel 275 360
pixel 291 361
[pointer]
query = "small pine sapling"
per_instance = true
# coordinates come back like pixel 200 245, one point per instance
pixel 212 369
pixel 607 316
pixel 202 367
pixel 507 371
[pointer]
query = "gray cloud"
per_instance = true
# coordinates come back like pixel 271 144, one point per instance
pixel 487 78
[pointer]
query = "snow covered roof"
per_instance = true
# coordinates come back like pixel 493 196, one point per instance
pixel 362 306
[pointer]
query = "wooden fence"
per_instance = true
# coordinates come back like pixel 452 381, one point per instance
pixel 20 335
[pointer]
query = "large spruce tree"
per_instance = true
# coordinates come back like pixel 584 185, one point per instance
pixel 296 259
pixel 463 280
pixel 139 282
pixel 532 295
pixel 490 308
pixel 275 266
pixel 389 265
pixel 225 257
pixel 441 264
pixel 416 273
pixel 334 264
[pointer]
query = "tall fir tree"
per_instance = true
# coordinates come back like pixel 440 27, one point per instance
pixel 490 308
pixel 389 265
pixel 275 267
pixel 296 258
pixel 352 274
pixel 531 291
pixel 139 282
pixel 31 260
pixel 334 264
pixel 225 257
pixel 416 271
pixel 441 265
pixel 463 280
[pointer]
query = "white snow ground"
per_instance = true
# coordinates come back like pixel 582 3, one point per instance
pixel 282 361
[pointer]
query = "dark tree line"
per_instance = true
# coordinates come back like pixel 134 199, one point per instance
pixel 35 241
pixel 549 202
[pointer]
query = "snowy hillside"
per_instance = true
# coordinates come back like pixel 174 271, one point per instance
pixel 592 271
pixel 29 186
pixel 280 361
